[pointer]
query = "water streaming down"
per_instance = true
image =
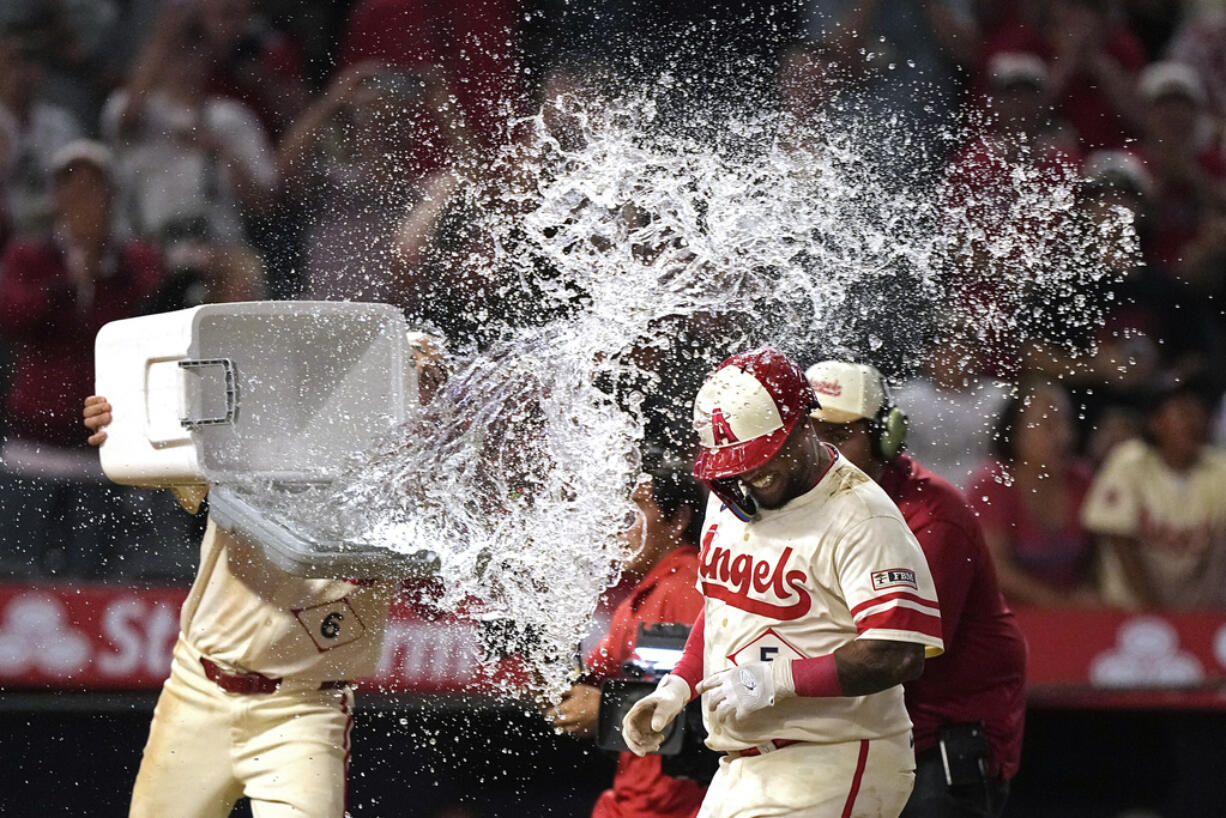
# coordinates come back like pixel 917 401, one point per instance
pixel 745 230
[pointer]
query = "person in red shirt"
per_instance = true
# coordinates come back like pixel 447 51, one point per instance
pixel 1093 61
pixel 664 532
pixel 471 43
pixel 56 292
pixel 1184 158
pixel 1028 497
pixel 975 690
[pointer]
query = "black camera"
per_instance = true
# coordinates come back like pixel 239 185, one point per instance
pixel 657 651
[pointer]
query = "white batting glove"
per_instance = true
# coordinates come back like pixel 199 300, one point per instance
pixel 643 726
pixel 740 691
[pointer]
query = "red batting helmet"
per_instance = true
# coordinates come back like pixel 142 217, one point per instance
pixel 746 409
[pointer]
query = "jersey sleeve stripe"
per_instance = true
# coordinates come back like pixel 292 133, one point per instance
pixel 895 603
pixel 902 619
pixel 877 600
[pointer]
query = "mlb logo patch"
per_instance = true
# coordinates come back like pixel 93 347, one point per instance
pixel 892 577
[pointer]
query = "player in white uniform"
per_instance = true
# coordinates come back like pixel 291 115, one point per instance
pixel 259 702
pixel 819 604
pixel 1158 508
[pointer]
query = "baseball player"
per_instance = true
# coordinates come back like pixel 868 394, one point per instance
pixel 1157 506
pixel 665 533
pixel 259 702
pixel 818 605
pixel 969 707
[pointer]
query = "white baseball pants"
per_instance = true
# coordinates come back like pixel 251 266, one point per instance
pixel 287 751
pixel 855 779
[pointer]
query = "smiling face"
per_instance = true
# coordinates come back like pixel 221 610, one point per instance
pixel 790 473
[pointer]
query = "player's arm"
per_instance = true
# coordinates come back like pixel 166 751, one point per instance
pixel 1113 512
pixel 862 667
pixel 859 668
pixel 1136 574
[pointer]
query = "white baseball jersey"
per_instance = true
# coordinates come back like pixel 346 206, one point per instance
pixel 249 616
pixel 835 564
pixel 1178 518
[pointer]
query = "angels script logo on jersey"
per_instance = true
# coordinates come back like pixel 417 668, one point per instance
pixel 733 579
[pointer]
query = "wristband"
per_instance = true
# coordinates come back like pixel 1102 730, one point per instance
pixel 814 677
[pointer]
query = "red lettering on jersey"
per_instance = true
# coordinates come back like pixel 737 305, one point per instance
pixel 832 388
pixel 1180 540
pixel 732 578
pixel 720 428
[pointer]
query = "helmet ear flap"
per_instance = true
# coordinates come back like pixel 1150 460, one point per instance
pixel 889 433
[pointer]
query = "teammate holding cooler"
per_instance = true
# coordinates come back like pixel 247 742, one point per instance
pixel 969 706
pixel 818 605
pixel 259 702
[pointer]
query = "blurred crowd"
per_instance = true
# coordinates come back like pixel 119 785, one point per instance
pixel 156 155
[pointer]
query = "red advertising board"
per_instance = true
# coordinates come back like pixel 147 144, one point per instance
pixel 1105 658
pixel 116 638
pixel 112 638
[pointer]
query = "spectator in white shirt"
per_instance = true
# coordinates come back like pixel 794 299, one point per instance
pixel 190 163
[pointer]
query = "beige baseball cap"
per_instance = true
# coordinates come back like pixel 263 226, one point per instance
pixel 1010 68
pixel 1119 170
pixel 89 151
pixel 1162 79
pixel 847 391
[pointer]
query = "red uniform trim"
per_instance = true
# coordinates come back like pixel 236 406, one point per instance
pixel 861 763
pixel 348 752
pixel 877 600
pixel 689 666
pixel 903 619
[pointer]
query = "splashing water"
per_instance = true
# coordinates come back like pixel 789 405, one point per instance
pixel 518 473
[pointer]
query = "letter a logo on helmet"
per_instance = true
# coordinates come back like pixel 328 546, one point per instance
pixel 720 429
pixel 746 409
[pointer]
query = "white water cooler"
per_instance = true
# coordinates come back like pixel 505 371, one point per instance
pixel 259 393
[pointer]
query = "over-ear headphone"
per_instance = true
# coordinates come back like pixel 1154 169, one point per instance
pixel 888 429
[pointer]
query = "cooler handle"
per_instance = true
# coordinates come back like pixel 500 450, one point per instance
pixel 227 367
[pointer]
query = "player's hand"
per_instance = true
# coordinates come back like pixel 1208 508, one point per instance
pixel 96 415
pixel 576 714
pixel 644 725
pixel 739 691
